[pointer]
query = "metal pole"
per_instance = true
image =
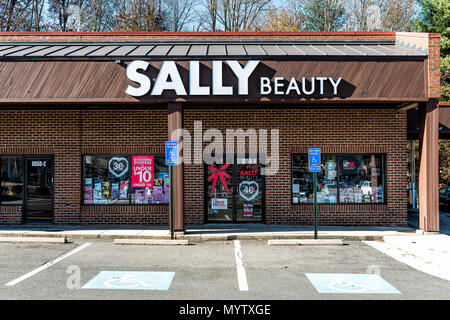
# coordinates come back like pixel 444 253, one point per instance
pixel 413 173
pixel 315 203
pixel 172 227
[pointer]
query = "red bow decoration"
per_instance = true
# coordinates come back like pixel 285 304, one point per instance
pixel 219 173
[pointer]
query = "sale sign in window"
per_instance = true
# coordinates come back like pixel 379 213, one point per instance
pixel 142 171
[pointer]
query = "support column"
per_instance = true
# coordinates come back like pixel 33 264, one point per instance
pixel 175 121
pixel 429 166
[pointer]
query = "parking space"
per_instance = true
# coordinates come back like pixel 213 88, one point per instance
pixel 19 259
pixel 283 270
pixel 207 270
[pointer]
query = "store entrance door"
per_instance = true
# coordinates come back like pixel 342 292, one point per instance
pixel 249 192
pixel 38 205
pixel 234 191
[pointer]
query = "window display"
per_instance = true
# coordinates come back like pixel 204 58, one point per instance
pixel 360 179
pixel 107 180
pixel 11 180
pixel 342 179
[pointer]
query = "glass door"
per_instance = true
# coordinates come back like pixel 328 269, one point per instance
pixel 249 191
pixel 219 192
pixel 38 189
pixel 234 192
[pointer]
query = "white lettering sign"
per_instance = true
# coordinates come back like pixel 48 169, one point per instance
pixel 169 79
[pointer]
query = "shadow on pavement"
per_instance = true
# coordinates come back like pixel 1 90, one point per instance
pixel 444 220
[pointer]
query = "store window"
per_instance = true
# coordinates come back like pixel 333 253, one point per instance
pixel 346 178
pixel 125 179
pixel 11 183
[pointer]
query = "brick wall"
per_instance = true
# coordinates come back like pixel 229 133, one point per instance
pixel 67 134
pixel 334 131
pixel 434 67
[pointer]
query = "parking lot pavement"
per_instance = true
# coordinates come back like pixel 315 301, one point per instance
pixel 18 259
pixel 205 271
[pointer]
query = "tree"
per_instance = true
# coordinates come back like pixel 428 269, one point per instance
pixel 179 13
pixel 141 15
pixel 13 14
pixel 232 15
pixel 323 15
pixel 66 14
pixel 34 23
pixel 282 20
pixel 99 15
pixel 21 15
pixel 208 17
pixel 397 15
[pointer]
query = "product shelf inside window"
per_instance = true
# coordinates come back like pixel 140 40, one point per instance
pixel 345 178
pixel 107 181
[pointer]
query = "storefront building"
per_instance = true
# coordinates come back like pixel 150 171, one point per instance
pixel 80 113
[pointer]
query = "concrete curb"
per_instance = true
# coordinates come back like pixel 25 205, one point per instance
pixel 151 242
pixel 307 242
pixel 50 240
pixel 226 236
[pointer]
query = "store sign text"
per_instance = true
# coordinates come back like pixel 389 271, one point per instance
pixel 169 79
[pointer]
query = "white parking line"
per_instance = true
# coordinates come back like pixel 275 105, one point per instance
pixel 242 277
pixel 48 264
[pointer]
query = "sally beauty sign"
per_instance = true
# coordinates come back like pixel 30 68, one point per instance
pixel 169 78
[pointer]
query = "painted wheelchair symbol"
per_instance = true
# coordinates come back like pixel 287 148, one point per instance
pixel 340 284
pixel 126 281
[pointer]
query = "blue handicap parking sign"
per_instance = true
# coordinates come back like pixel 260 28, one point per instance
pixel 131 280
pixel 350 283
pixel 314 159
pixel 171 153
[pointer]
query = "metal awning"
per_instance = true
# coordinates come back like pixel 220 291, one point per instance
pixel 204 50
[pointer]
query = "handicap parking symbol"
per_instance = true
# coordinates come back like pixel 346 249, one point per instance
pixel 350 283
pixel 131 280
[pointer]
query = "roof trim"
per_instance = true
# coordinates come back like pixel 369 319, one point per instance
pixel 251 49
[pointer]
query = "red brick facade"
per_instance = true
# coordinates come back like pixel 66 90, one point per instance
pixel 334 131
pixel 70 131
pixel 68 134
pixel 434 67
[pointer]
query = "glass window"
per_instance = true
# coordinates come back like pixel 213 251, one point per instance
pixel 11 175
pixel 107 180
pixel 159 194
pixel 342 179
pixel 360 179
pixel 302 187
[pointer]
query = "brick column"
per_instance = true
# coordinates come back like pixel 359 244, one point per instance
pixel 175 121
pixel 429 166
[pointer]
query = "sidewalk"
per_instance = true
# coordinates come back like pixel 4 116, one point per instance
pixel 217 232
pixel 429 254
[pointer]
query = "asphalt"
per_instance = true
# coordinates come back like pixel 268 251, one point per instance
pixel 414 264
pixel 207 270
